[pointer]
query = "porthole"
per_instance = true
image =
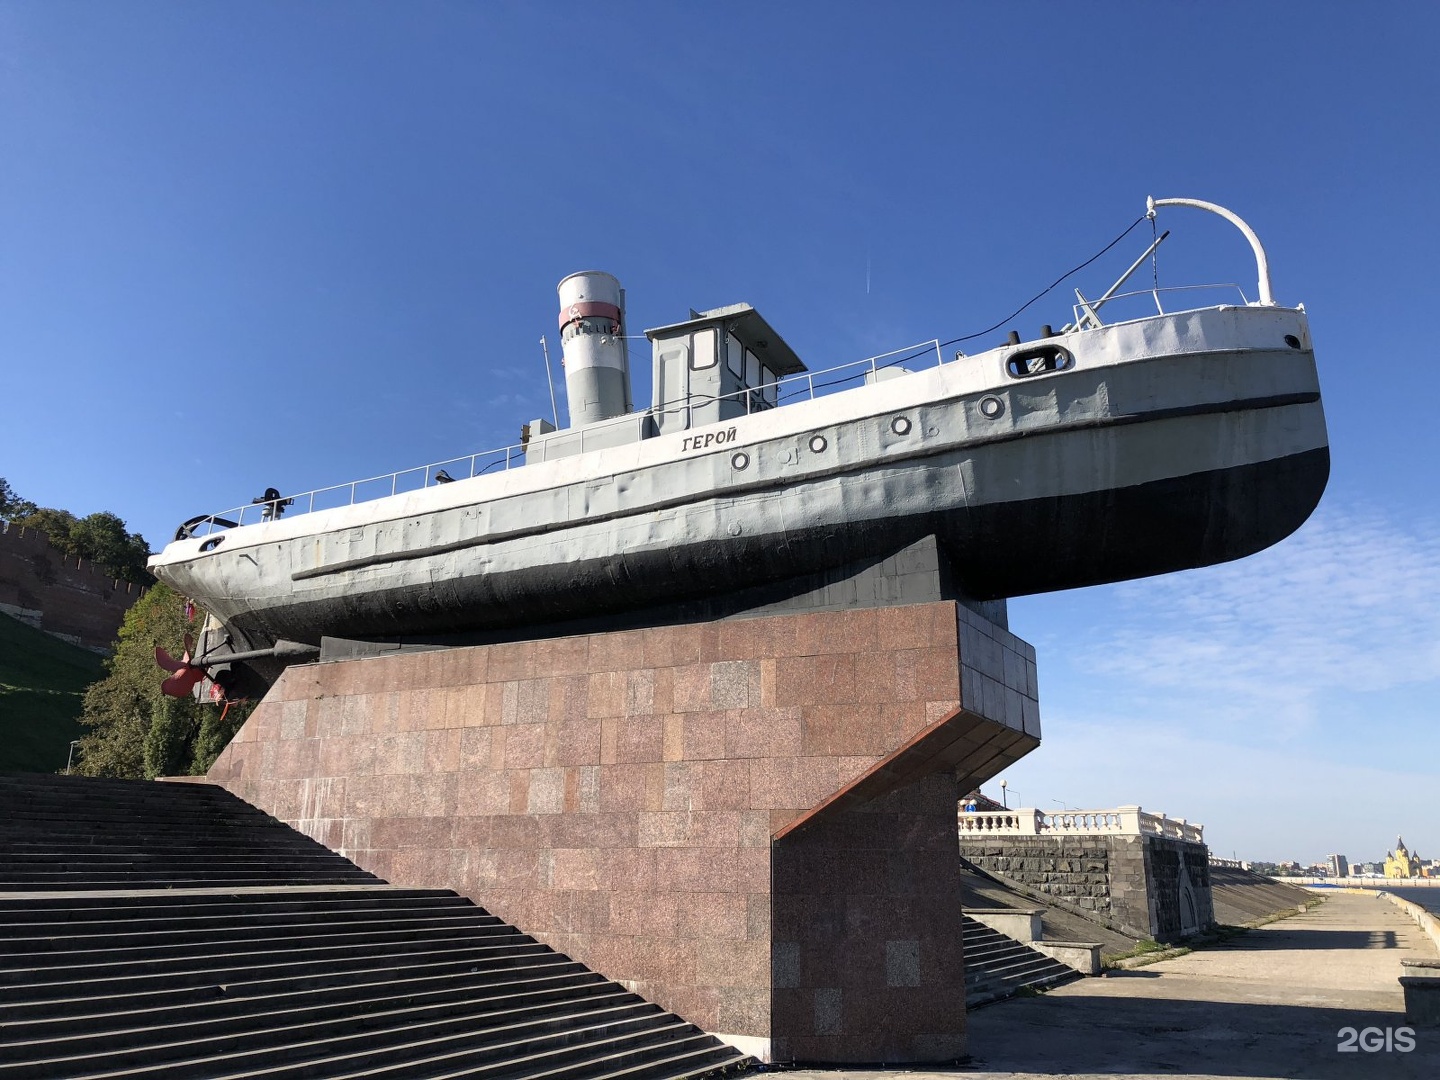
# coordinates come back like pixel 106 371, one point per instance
pixel 1292 341
pixel 212 543
pixel 740 460
pixel 992 407
pixel 900 425
pixel 818 444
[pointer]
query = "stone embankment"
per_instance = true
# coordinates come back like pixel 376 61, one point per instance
pixel 1242 896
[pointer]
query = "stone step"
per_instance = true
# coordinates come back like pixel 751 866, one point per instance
pixel 91 1016
pixel 111 959
pixel 29 986
pixel 180 881
pixel 44 938
pixel 17 879
pixel 574 1040
pixel 63 1038
pixel 633 1042
pixel 91 837
pixel 223 903
pixel 997 966
pixel 287 1043
pixel 1014 971
pixel 101 858
pixel 689 1062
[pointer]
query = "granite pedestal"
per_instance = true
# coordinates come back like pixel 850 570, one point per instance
pixel 750 822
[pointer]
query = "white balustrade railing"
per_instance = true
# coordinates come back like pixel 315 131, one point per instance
pixel 1000 822
pixel 1121 821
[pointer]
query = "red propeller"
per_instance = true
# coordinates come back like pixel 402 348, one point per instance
pixel 186 674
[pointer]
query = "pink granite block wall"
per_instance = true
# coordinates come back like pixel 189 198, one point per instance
pixel 617 795
pixel 866 935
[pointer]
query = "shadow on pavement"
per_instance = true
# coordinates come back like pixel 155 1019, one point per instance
pixel 1288 938
pixel 1143 1036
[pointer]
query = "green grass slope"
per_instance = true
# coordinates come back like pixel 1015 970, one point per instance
pixel 42 684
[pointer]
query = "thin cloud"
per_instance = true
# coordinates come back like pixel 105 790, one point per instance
pixel 1348 604
pixel 1254 696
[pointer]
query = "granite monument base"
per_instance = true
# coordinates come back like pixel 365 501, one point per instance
pixel 750 822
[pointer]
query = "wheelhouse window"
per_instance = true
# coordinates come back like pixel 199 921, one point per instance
pixel 734 356
pixel 703 354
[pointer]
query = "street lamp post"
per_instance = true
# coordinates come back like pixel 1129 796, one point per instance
pixel 1003 800
pixel 71 759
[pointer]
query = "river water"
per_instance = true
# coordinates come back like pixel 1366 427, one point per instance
pixel 1427 896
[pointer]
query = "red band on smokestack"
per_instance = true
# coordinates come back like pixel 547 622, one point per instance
pixel 591 309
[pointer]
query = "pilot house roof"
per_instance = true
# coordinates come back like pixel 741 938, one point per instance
pixel 748 326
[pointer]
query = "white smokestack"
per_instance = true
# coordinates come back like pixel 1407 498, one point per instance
pixel 597 363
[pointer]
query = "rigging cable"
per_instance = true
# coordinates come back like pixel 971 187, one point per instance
pixel 1002 322
pixel 1155 263
pixel 1042 292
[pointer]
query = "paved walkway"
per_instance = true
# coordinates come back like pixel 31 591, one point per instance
pixel 1270 1003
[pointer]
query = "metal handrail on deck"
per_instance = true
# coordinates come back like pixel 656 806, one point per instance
pixel 1091 308
pixel 801 386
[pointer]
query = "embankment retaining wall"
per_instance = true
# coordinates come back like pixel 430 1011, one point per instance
pixel 1153 886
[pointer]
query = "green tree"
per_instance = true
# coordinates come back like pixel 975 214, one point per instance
pixel 173 726
pixel 58 527
pixel 135 730
pixel 12 505
pixel 100 538
pixel 217 728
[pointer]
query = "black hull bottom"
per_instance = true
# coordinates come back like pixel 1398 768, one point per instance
pixel 996 551
pixel 1157 528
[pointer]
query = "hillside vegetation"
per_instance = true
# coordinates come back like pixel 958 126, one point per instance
pixel 101 538
pixel 132 729
pixel 42 689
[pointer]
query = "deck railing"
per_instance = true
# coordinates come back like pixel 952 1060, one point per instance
pixel 804 386
pixel 1091 308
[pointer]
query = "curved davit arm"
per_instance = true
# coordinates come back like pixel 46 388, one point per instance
pixel 1262 263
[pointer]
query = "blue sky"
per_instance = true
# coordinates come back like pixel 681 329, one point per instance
pixel 297 244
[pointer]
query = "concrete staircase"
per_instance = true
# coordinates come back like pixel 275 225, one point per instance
pixel 998 967
pixel 151 930
pixel 73 833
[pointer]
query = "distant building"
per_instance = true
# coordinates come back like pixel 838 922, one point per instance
pixel 1401 863
pixel 1339 865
